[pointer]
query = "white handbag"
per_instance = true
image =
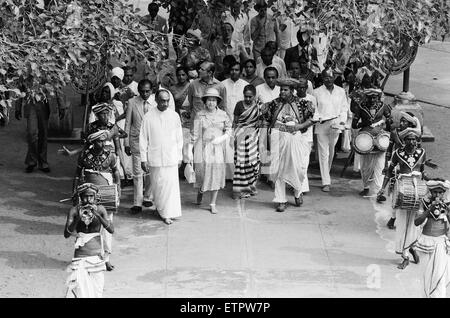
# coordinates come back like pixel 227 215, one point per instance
pixel 189 173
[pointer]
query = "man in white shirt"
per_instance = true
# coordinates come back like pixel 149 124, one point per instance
pixel 137 108
pixel 331 114
pixel 266 93
pixel 276 60
pixel 267 59
pixel 161 144
pixel 128 81
pixel 302 93
pixel 234 87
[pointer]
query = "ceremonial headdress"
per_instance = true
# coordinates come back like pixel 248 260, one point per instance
pixel 438 184
pixel 212 92
pixel 416 131
pixel 85 187
pixel 373 92
pixel 195 33
pixel 97 135
pixel 119 72
pixel 102 107
pixel 398 115
pixel 291 82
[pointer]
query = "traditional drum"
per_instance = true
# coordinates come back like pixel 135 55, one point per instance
pixel 408 191
pixel 382 141
pixel 370 141
pixel 108 196
pixel 363 142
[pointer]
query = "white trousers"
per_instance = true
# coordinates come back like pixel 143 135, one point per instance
pixel 326 144
pixel 141 184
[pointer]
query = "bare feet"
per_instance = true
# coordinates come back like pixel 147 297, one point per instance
pixel 403 264
pixel 168 221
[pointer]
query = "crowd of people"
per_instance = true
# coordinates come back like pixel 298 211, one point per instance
pixel 248 108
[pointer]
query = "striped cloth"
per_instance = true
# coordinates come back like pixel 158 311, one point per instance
pixel 246 155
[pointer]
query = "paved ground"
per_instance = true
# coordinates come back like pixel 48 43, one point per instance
pixel 336 245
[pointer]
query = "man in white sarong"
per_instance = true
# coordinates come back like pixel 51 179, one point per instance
pixel 289 119
pixel 85 221
pixel 161 146
pixel 432 245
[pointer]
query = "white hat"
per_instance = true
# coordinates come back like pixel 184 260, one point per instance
pixel 119 72
pixel 196 33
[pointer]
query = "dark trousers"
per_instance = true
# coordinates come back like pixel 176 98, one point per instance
pixel 37 132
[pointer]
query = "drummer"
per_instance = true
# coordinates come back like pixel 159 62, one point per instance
pixel 370 115
pixel 408 159
pixel 103 112
pixel 402 120
pixel 98 165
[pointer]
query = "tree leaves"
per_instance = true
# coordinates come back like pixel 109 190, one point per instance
pixel 37 45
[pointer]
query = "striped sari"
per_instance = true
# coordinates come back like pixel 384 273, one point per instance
pixel 246 155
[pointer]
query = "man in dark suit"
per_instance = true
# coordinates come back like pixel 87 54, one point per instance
pixel 36 110
pixel 303 48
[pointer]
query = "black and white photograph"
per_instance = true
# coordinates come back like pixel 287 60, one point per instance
pixel 243 150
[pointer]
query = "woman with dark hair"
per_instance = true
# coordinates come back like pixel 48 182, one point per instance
pixel 179 90
pixel 246 155
pixel 249 69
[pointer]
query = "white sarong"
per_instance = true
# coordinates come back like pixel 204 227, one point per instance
pixel 166 191
pixel 86 279
pixel 289 157
pixel 435 265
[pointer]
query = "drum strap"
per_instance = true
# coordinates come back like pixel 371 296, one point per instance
pixel 416 190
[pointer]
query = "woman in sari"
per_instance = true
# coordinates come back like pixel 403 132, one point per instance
pixel 249 68
pixel 179 90
pixel 246 155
